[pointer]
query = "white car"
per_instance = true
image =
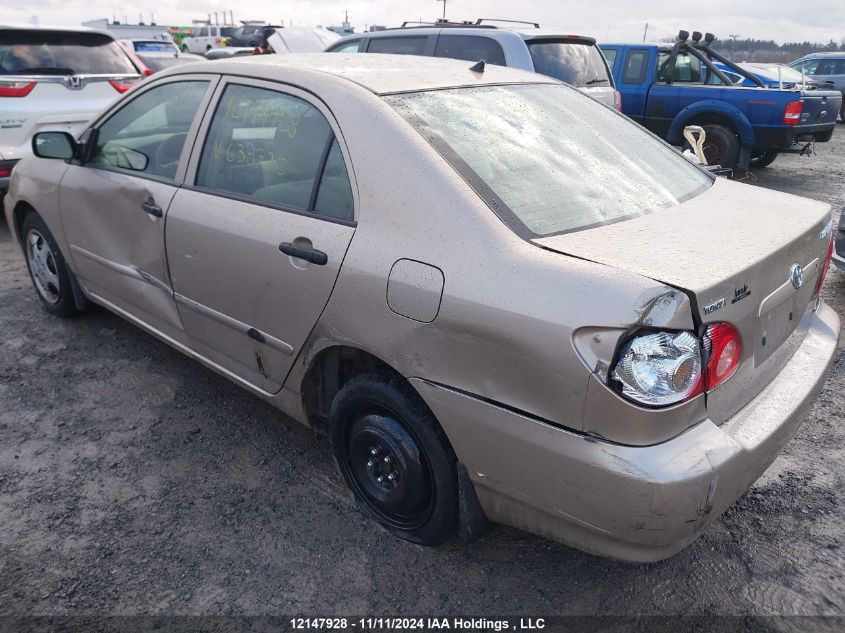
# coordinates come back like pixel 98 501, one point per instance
pixel 55 79
pixel 206 38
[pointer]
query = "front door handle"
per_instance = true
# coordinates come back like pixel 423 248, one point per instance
pixel 152 208
pixel 308 254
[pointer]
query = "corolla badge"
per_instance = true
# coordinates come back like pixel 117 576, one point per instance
pixel 796 276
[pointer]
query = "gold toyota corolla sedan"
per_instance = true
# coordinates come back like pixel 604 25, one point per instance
pixel 504 301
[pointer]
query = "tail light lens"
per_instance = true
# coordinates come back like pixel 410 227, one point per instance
pixel 825 266
pixel 792 113
pixel 723 351
pixel 121 86
pixel 618 99
pixel 16 88
pixel 660 368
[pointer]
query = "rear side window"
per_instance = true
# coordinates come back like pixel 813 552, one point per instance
pixel 275 147
pixel 577 63
pixel 471 48
pixel 61 53
pixel 398 45
pixel 146 135
pixel 636 64
pixel 227 31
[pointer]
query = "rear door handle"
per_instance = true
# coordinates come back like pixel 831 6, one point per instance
pixel 152 208
pixel 308 254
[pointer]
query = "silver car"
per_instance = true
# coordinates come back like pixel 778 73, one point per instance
pixel 827 70
pixel 505 301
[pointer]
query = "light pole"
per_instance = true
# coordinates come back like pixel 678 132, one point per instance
pixel 444 7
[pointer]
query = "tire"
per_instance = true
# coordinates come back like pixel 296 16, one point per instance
pixel 395 458
pixel 765 159
pixel 721 146
pixel 47 268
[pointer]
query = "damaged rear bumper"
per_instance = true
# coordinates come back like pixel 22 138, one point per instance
pixel 632 503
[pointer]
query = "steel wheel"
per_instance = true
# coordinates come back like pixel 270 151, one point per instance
pixel 389 471
pixel 42 264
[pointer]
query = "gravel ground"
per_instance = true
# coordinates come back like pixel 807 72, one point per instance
pixel 134 481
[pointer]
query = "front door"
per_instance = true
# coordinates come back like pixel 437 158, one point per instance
pixel 113 206
pixel 255 244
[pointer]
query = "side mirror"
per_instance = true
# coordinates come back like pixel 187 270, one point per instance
pixel 59 145
pixel 132 159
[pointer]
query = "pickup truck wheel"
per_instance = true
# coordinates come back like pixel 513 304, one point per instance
pixel 395 458
pixel 765 159
pixel 721 146
pixel 47 267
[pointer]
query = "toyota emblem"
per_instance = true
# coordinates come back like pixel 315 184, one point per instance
pixel 796 275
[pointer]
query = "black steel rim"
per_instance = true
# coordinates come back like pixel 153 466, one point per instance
pixel 388 469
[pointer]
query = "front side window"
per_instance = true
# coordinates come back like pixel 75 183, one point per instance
pixel 471 48
pixel 579 64
pixel 687 68
pixel 146 136
pixel 277 148
pixel 349 47
pixel 548 159
pixel 398 45
pixel 826 67
pixel 808 66
pixel 203 32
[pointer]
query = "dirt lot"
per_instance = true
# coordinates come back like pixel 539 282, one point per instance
pixel 134 481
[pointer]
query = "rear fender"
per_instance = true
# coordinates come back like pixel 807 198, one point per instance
pixel 700 109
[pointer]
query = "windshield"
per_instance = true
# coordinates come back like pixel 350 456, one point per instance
pixel 548 159
pixel 61 53
pixel 578 64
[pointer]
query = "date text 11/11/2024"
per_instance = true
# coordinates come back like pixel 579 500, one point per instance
pixel 417 624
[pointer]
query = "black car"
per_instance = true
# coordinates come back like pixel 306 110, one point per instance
pixel 251 34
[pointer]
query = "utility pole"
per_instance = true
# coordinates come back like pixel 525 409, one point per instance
pixel 645 33
pixel 444 7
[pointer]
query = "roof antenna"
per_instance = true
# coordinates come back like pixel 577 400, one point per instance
pixel 477 67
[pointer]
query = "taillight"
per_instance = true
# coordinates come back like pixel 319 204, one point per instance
pixel 16 88
pixel 217 40
pixel 723 350
pixel 121 86
pixel 660 368
pixel 825 266
pixel 792 113
pixel 618 98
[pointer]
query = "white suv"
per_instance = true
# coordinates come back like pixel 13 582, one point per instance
pixel 55 79
pixel 206 38
pixel 574 59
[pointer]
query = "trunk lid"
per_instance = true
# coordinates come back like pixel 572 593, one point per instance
pixel 732 249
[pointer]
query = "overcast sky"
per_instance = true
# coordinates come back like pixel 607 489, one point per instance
pixel 781 20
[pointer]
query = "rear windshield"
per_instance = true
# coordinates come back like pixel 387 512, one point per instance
pixel 154 47
pixel 548 159
pixel 578 64
pixel 61 53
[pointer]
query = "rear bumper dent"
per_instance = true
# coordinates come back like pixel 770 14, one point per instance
pixel 633 503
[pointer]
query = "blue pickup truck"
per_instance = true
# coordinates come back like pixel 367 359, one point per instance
pixel 666 87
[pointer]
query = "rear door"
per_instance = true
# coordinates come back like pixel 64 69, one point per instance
pixel 56 80
pixel 113 205
pixel 256 241
pixel 577 61
pixel 633 80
